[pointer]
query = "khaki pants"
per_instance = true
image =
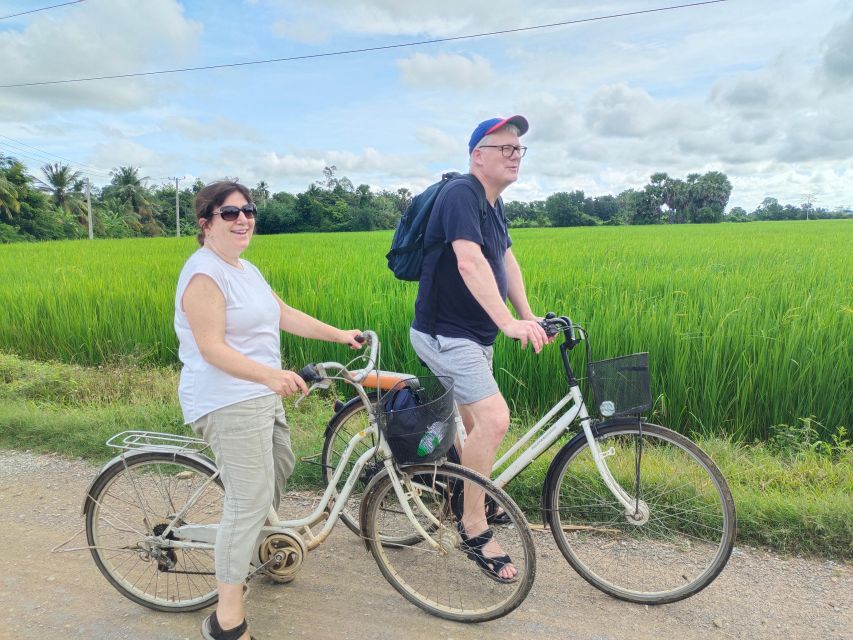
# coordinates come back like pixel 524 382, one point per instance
pixel 251 443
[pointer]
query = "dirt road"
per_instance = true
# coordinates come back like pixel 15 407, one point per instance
pixel 47 595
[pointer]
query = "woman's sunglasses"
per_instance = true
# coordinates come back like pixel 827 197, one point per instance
pixel 230 213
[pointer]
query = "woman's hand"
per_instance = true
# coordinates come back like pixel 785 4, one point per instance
pixel 286 383
pixel 348 336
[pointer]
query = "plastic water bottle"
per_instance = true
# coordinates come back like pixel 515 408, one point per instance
pixel 430 439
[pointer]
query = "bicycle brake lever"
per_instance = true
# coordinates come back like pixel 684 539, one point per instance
pixel 323 384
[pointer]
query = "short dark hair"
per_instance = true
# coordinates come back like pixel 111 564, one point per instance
pixel 212 196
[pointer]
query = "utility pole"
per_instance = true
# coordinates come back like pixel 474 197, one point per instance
pixel 177 207
pixel 809 198
pixel 89 209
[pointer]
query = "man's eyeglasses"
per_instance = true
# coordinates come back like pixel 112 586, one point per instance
pixel 230 213
pixel 506 149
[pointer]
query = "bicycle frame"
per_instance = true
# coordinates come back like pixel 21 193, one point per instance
pixel 204 536
pixel 576 410
pixel 569 408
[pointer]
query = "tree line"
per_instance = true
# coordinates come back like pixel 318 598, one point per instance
pixel 51 205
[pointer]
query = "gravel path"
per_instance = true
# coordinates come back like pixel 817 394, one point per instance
pixel 759 595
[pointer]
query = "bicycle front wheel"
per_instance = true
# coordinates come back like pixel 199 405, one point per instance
pixel 128 509
pixel 350 420
pixel 678 533
pixel 443 579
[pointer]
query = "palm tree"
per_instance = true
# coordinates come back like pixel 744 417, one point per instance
pixel 59 182
pixel 64 186
pixel 261 192
pixel 129 188
pixel 9 191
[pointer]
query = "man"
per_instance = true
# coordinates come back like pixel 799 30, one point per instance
pixel 461 307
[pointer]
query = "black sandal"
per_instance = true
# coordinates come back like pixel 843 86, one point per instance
pixel 501 518
pixel 210 629
pixel 490 565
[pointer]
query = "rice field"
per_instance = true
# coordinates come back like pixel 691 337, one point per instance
pixel 747 326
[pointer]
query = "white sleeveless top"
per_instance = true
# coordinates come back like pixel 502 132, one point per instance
pixel 251 327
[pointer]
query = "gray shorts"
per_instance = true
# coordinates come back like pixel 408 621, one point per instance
pixel 466 362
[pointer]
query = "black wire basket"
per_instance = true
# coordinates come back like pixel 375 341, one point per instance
pixel 621 385
pixel 416 419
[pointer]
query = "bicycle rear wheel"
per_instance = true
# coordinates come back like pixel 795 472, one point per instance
pixel 444 581
pixel 130 505
pixel 676 538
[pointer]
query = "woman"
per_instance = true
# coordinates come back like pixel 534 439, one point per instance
pixel 228 321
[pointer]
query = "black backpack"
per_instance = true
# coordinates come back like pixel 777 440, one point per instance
pixel 407 252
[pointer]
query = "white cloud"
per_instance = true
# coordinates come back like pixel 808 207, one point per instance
pixel 93 39
pixel 299 168
pixel 126 152
pixel 300 31
pixel 623 111
pixel 446 70
pixel 205 129
pixel 438 18
pixel 838 53
pixel 440 142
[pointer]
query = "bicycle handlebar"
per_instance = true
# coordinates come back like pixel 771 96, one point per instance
pixel 312 373
pixel 554 324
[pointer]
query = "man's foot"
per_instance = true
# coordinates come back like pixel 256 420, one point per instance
pixel 488 555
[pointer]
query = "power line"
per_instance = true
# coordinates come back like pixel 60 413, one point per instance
pixel 53 6
pixel 386 47
pixel 38 162
pixel 41 160
pixel 52 156
pixel 17 154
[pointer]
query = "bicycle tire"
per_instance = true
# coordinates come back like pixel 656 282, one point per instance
pixel 446 582
pixel 676 549
pixel 131 498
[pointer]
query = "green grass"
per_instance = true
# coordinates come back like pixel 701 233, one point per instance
pixel 748 326
pixel 796 501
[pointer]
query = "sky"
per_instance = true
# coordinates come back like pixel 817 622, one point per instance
pixel 760 90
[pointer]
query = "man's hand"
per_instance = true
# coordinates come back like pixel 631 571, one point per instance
pixel 286 383
pixel 526 331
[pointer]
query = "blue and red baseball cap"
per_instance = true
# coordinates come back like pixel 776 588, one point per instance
pixel 493 124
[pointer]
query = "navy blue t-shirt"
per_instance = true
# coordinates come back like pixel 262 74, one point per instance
pixel 444 305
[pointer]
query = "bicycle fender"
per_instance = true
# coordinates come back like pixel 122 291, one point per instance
pixel 340 408
pixel 362 512
pixel 119 459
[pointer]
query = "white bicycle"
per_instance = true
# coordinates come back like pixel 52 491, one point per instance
pixel 638 510
pixel 152 514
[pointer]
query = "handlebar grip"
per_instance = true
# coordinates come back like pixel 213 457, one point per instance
pixel 550 329
pixel 361 338
pixel 309 374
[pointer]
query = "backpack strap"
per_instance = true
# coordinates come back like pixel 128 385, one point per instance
pixel 484 211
